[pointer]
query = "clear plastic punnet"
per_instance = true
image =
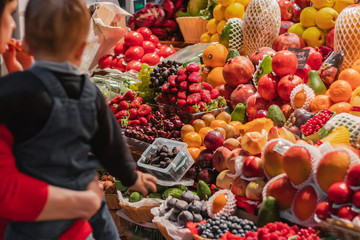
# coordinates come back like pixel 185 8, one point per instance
pixel 178 166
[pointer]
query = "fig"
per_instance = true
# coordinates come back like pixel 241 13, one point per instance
pixel 195 207
pixel 204 211
pixel 173 217
pixel 185 217
pixel 197 217
pixel 181 205
pixel 188 196
pixel 171 202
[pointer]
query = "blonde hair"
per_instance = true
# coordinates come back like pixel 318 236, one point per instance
pixel 56 27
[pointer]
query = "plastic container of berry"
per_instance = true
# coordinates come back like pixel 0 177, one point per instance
pixel 319 118
pixel 178 166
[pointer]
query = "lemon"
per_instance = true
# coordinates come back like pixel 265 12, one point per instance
pixel 205 37
pixel 218 12
pixel 234 10
pixel 318 4
pixel 220 26
pixel 307 17
pixel 211 25
pixel 215 37
pixel 226 2
pixel 243 2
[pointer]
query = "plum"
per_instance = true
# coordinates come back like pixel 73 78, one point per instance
pixel 185 217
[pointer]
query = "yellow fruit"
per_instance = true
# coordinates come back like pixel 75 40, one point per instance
pixel 215 37
pixel 218 12
pixel 300 99
pixel 355 102
pixel 215 55
pixel 194 152
pixel 253 142
pixel 257 125
pixel 245 3
pixel 339 136
pixel 203 131
pixel 218 123
pixel 215 77
pixel 211 26
pixel 234 10
pixel 220 26
pixel 226 2
pixel 186 129
pixel 341 4
pixel 219 203
pixel 322 3
pixel 198 124
pixel 236 124
pixel 205 37
pixel 193 139
pixel 224 116
pixel 307 17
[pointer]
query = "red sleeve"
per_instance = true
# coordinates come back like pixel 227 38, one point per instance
pixel 80 230
pixel 22 198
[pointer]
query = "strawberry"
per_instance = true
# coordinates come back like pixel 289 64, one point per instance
pixel 181 103
pixel 172 80
pixel 140 99
pixel 122 113
pixel 202 106
pixel 123 105
pixel 174 90
pixel 205 96
pixel 149 116
pixel 181 75
pixel 143 121
pixel 144 110
pixel 116 100
pixel 133 113
pixel 181 95
pixel 207 86
pixel 166 88
pixel 134 123
pixel 135 104
pixel 129 96
pixel 193 99
pixel 193 67
pixel 184 85
pixel 172 99
pixel 113 108
pixel 194 77
pixel 195 88
pixel 214 94
pixel 189 108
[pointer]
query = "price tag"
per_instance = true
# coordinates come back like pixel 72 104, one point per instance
pixel 302 56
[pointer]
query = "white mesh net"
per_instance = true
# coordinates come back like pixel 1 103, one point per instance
pixel 236 35
pixel 261 24
pixel 347 31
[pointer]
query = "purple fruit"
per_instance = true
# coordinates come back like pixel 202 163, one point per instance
pixel 205 158
pixel 207 175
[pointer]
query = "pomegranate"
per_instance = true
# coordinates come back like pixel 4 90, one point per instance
pixel 254 104
pixel 288 40
pixel 259 55
pixel 287 84
pixel 238 70
pixel 284 63
pixel 170 26
pixel 241 94
pixel 304 73
pixel 131 23
pixel 267 87
pixel 133 65
pixel 151 59
pixel 314 59
pixel 225 91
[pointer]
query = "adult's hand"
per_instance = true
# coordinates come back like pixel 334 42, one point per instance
pixel 16 59
pixel 143 183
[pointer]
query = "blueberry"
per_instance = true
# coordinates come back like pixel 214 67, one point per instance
pixel 204 235
pixel 223 226
pixel 247 227
pixel 207 225
pixel 217 222
pixel 234 231
pixel 217 236
pixel 210 221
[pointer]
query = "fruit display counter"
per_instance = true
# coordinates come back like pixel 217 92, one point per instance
pixel 256 136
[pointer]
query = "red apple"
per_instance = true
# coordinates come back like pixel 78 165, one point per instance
pixel 238 186
pixel 241 94
pixel 314 59
pixel 288 40
pixel 340 193
pixel 323 210
pixel 205 158
pixel 267 86
pixel 296 15
pixel 287 84
pixel 105 61
pixel 330 38
pixel 261 114
pixel 356 199
pixel 213 140
pixel 303 73
pixel 284 26
pixel 303 3
pixel 252 167
pixel 254 104
pixel 346 213
pixel 353 177
pixel 284 62
pixel 257 56
pixel 287 9
pixel 219 159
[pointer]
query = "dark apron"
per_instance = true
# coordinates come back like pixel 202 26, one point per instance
pixel 59 155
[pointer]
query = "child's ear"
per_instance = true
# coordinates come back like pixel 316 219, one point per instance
pixel 79 52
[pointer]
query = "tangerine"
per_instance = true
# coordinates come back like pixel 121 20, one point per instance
pixel 215 55
pixel 218 123
pixel 341 107
pixel 320 102
pixel 193 139
pixel 203 131
pixel 236 125
pixel 340 91
pixel 351 76
pixel 202 148
pixel 215 37
pixel 356 65
pixel 215 77
pixel 186 129
pixel 218 12
pixel 205 37
pixel 219 203
pixel 194 152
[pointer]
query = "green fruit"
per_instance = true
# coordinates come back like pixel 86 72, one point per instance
pixel 276 115
pixel 181 187
pixel 239 113
pixel 232 53
pixel 175 192
pixel 316 83
pixel 203 190
pixel 269 212
pixel 160 189
pixel 225 36
pixel 119 186
pixel 154 195
pixel 263 68
pixel 135 197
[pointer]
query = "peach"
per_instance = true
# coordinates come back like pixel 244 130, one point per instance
pixel 305 203
pixel 223 180
pixel 239 187
pixel 231 144
pixel 253 142
pixel 219 158
pixel 231 158
pixel 282 191
pixel 297 164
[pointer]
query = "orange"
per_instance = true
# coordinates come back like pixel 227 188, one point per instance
pixel 194 152
pixel 204 131
pixel 356 65
pixel 215 77
pixel 320 102
pixel 340 91
pixel 215 55
pixel 218 123
pixel 186 129
pixel 192 139
pixel 341 107
pixel 202 148
pixel 351 76
pixel 236 125
pixel 219 203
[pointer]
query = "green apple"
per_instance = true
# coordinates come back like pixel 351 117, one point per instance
pixel 341 4
pixel 318 4
pixel 307 17
pixel 297 28
pixel 314 37
pixel 326 17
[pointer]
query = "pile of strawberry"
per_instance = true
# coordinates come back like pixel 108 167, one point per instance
pixel 188 92
pixel 129 110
